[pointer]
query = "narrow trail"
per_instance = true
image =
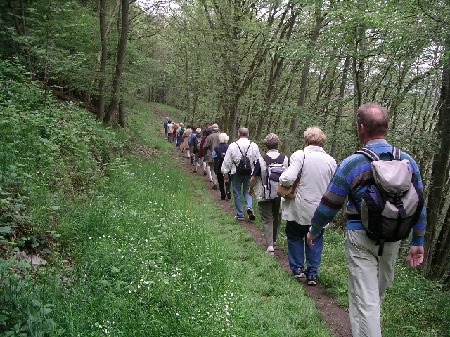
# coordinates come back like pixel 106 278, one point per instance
pixel 333 315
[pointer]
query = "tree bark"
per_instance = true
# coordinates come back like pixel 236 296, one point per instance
pixel 340 107
pixel 439 167
pixel 103 59
pixel 318 17
pixel 117 80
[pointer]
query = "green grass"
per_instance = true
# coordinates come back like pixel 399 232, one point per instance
pixel 146 252
pixel 154 256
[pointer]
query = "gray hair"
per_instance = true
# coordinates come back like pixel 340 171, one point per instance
pixel 271 141
pixel 314 136
pixel 223 137
pixel 243 132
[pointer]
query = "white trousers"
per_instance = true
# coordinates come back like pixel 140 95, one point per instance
pixel 369 275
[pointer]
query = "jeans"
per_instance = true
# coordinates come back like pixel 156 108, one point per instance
pixel 240 185
pixel 298 248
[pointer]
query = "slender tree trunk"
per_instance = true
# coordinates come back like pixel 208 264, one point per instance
pixel 340 107
pixel 103 59
pixel 305 74
pixel 117 80
pixel 122 116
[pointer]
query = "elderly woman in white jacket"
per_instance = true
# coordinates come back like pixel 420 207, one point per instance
pixel 315 169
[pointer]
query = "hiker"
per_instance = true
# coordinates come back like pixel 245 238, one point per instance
pixel 239 161
pixel 165 123
pixel 194 146
pixel 210 143
pixel 174 133
pixel 369 274
pixel 201 155
pixel 310 171
pixel 207 128
pixel 179 136
pixel 184 144
pixel 220 151
pixel 170 128
pixel 263 184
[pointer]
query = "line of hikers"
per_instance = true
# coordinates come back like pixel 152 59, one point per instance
pixel 380 184
pixel 240 166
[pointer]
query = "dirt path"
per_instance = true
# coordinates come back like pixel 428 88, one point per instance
pixel 335 316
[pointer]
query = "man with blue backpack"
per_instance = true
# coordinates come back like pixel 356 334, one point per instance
pixel 385 201
pixel 263 184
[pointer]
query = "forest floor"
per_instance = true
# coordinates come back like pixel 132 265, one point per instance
pixel 334 315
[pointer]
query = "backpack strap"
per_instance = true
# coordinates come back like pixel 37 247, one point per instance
pixel 369 154
pixel 396 153
pixel 240 148
pixel 246 150
pixel 269 160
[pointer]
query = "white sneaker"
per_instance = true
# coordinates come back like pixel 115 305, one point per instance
pixel 270 250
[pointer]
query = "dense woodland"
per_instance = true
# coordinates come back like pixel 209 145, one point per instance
pixel 271 65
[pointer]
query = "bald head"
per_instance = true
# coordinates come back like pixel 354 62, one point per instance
pixel 374 118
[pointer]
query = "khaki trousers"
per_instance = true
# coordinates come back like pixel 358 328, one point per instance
pixel 369 275
pixel 271 218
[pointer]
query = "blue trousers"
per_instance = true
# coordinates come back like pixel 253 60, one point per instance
pixel 298 248
pixel 240 185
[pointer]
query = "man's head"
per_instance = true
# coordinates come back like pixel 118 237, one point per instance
pixel 271 141
pixel 371 122
pixel 243 132
pixel 314 136
pixel 214 128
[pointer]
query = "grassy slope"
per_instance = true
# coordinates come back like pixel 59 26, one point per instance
pixel 155 256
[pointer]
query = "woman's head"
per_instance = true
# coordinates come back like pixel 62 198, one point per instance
pixel 271 141
pixel 223 137
pixel 314 136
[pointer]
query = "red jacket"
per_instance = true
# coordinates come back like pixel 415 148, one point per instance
pixel 201 152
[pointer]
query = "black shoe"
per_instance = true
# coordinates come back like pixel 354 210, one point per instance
pixel 299 273
pixel 312 280
pixel 222 196
pixel 250 214
pixel 229 195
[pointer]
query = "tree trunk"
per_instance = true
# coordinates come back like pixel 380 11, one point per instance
pixel 121 114
pixel 305 75
pixel 103 58
pixel 439 166
pixel 340 107
pixel 117 80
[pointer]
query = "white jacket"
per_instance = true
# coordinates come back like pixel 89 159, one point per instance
pixel 318 169
pixel 233 155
